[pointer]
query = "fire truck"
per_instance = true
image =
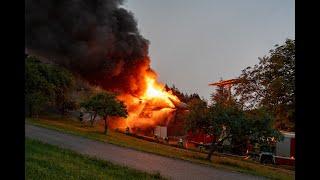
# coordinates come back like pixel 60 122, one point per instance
pixel 285 149
pixel 282 153
pixel 198 139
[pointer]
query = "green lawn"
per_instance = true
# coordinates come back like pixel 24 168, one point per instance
pixel 219 161
pixel 44 161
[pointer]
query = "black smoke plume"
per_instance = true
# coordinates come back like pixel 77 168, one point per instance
pixel 97 39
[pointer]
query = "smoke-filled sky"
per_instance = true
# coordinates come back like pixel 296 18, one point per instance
pixel 193 43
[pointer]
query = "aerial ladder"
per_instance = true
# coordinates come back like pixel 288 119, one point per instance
pixel 227 84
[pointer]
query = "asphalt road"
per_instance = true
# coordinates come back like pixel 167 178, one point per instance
pixel 168 167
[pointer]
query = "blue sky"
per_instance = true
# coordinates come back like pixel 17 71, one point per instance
pixel 193 43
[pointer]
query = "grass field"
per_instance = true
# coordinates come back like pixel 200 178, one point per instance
pixel 44 161
pixel 219 161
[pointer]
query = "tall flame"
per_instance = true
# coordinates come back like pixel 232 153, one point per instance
pixel 154 106
pixel 156 91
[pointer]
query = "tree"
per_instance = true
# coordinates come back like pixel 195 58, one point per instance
pixel 38 90
pixel 231 122
pixel 183 97
pixel 91 107
pixel 197 116
pixel 46 84
pixel 105 104
pixel 35 102
pixel 63 82
pixel 67 104
pixel 261 123
pixel 223 97
pixel 271 84
pixel 190 97
pixel 226 122
pixel 225 119
pixel 175 91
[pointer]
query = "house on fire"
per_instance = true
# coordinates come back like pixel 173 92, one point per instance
pixel 173 127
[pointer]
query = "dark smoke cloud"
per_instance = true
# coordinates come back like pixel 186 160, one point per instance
pixel 94 38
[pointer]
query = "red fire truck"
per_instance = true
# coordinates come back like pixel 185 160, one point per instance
pixel 285 149
pixel 195 139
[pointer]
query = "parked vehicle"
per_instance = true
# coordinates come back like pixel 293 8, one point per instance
pixel 285 149
pixel 281 153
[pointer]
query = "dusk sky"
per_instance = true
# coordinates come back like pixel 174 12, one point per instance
pixel 193 43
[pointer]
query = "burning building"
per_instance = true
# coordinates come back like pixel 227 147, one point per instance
pixel 99 40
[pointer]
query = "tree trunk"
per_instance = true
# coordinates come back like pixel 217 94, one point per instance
pixel 105 125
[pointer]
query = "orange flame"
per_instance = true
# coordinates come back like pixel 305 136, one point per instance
pixel 156 91
pixel 154 106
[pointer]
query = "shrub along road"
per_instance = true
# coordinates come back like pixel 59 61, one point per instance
pixel 168 167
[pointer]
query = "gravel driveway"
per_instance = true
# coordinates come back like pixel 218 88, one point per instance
pixel 168 167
